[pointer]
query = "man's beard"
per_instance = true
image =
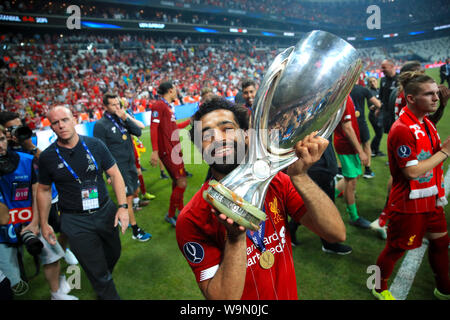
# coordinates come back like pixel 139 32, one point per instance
pixel 227 163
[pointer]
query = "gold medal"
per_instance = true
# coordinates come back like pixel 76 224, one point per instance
pixel 266 260
pixel 124 136
pixel 357 113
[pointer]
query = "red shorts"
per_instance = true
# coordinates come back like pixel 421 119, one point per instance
pixel 406 230
pixel 175 170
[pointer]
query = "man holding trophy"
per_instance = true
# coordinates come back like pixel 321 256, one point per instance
pixel 234 232
pixel 221 273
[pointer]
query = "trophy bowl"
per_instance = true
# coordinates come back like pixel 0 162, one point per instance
pixel 303 91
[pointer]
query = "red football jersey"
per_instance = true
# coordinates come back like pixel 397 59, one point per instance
pixel 201 238
pixel 341 143
pixel 400 102
pixel 402 153
pixel 168 136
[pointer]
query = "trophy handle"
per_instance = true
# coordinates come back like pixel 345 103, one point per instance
pixel 233 206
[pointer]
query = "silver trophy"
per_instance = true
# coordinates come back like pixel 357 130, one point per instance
pixel 304 90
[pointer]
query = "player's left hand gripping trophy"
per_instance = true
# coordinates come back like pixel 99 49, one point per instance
pixel 303 91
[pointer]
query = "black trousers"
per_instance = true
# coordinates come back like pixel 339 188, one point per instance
pixel 5 290
pixel 95 242
pixel 377 125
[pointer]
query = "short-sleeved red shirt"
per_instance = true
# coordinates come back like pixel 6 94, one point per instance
pixel 201 239
pixel 341 143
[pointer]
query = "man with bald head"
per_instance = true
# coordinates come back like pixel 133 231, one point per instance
pixel 89 218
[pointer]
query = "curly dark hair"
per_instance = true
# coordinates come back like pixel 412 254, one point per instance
pixel 217 103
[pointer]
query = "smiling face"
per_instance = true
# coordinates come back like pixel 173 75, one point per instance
pixel 388 68
pixel 223 142
pixel 249 94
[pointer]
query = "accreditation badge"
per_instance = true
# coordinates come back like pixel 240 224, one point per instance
pixel 89 196
pixel 20 191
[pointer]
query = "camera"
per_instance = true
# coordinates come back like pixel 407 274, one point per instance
pixel 32 243
pixel 22 133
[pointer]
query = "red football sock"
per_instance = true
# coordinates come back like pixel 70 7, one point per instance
pixel 142 184
pixel 176 201
pixel 386 261
pixel 438 257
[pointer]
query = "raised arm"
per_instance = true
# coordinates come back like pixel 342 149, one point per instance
pixel 322 216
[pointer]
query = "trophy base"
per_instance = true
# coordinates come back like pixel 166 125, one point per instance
pixel 233 206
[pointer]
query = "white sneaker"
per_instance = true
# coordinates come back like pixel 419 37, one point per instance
pixel 62 296
pixel 381 231
pixel 64 286
pixel 70 257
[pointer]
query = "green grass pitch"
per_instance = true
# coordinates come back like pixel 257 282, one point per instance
pixel 156 270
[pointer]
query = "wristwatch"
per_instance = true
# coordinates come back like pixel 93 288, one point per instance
pixel 124 205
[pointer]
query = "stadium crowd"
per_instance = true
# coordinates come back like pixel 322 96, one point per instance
pixel 43 72
pixel 394 12
pixel 76 70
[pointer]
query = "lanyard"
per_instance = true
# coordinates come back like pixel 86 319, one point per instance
pixel 69 167
pixel 121 128
pixel 257 237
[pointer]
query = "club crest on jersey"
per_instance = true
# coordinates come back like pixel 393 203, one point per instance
pixel 194 252
pixel 276 212
pixel 155 114
pixel 404 151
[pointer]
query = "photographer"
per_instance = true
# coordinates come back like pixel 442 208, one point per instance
pixel 18 134
pixel 18 185
pixel 19 140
